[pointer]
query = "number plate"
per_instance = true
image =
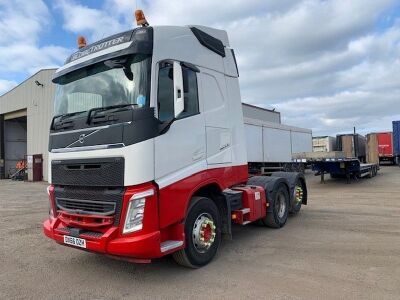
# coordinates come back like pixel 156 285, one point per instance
pixel 77 242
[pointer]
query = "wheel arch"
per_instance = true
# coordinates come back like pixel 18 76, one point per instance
pixel 270 184
pixel 214 191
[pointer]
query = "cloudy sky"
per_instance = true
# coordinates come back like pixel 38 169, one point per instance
pixel 328 65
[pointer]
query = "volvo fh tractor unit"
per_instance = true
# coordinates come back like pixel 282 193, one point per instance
pixel 147 149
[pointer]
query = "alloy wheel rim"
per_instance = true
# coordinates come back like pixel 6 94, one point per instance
pixel 203 233
pixel 280 205
pixel 298 194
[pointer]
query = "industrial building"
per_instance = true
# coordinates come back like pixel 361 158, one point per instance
pixel 25 115
pixel 262 114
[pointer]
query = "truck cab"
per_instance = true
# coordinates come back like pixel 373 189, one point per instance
pixel 147 146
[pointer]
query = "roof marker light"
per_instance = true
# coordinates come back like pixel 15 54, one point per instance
pixel 140 18
pixel 81 42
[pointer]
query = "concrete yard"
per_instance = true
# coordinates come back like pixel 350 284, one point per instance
pixel 344 245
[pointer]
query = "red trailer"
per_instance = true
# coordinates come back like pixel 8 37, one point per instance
pixel 385 146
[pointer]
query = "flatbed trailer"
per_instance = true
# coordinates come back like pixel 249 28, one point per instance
pixel 343 168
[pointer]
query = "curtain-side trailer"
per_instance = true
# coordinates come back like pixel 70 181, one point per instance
pixel 380 147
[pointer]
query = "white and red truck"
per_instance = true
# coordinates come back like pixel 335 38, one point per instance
pixel 147 149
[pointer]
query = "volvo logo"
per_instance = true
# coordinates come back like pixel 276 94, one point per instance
pixel 82 138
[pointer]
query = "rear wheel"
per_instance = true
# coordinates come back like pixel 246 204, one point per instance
pixel 202 234
pixel 280 208
pixel 298 194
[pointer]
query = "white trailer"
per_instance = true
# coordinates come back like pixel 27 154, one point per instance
pixel 268 142
pixel 323 144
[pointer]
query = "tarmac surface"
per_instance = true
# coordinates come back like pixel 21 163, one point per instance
pixel 344 245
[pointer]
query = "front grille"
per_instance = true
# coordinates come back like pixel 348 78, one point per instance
pixel 86 206
pixel 90 200
pixel 95 172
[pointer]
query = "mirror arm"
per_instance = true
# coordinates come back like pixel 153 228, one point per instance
pixel 166 125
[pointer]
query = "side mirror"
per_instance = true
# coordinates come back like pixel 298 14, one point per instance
pixel 179 103
pixel 120 64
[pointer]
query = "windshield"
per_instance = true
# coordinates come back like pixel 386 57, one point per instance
pixel 101 85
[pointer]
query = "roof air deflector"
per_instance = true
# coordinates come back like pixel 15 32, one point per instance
pixel 209 41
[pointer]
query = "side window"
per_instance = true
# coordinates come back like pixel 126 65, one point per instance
pixel 191 97
pixel 165 96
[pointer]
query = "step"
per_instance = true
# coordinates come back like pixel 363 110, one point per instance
pixel 246 222
pixel 169 245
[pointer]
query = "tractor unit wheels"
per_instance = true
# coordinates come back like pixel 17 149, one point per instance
pixel 297 189
pixel 278 197
pixel 298 195
pixel 202 234
pixel 279 208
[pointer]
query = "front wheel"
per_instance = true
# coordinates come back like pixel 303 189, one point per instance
pixel 202 234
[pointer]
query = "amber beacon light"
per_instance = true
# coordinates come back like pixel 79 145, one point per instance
pixel 81 42
pixel 140 18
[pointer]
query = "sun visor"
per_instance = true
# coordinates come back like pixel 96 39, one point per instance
pixel 137 41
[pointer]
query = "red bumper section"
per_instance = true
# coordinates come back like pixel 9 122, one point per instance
pixel 103 237
pixel 144 246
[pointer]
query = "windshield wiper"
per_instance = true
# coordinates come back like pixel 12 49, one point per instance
pixel 96 109
pixel 64 116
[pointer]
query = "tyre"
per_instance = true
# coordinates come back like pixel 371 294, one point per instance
pixel 298 194
pixel 297 189
pixel 279 204
pixel 202 234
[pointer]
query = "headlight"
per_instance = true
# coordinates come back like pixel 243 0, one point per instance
pixel 135 211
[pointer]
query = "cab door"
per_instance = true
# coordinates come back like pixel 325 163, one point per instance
pixel 216 114
pixel 180 149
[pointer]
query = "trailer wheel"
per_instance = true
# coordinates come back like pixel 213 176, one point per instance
pixel 280 208
pixel 202 234
pixel 375 171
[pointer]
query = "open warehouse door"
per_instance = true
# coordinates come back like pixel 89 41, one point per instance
pixel 15 143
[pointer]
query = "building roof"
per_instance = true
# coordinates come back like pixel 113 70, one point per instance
pixel 33 75
pixel 262 108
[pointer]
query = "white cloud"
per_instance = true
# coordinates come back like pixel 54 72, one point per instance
pixel 81 19
pixel 6 85
pixel 22 20
pixel 21 24
pixel 323 63
pixel 31 58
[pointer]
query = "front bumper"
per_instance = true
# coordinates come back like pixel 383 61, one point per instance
pixel 142 246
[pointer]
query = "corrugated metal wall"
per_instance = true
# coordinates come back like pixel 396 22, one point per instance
pixel 262 114
pixel 38 101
